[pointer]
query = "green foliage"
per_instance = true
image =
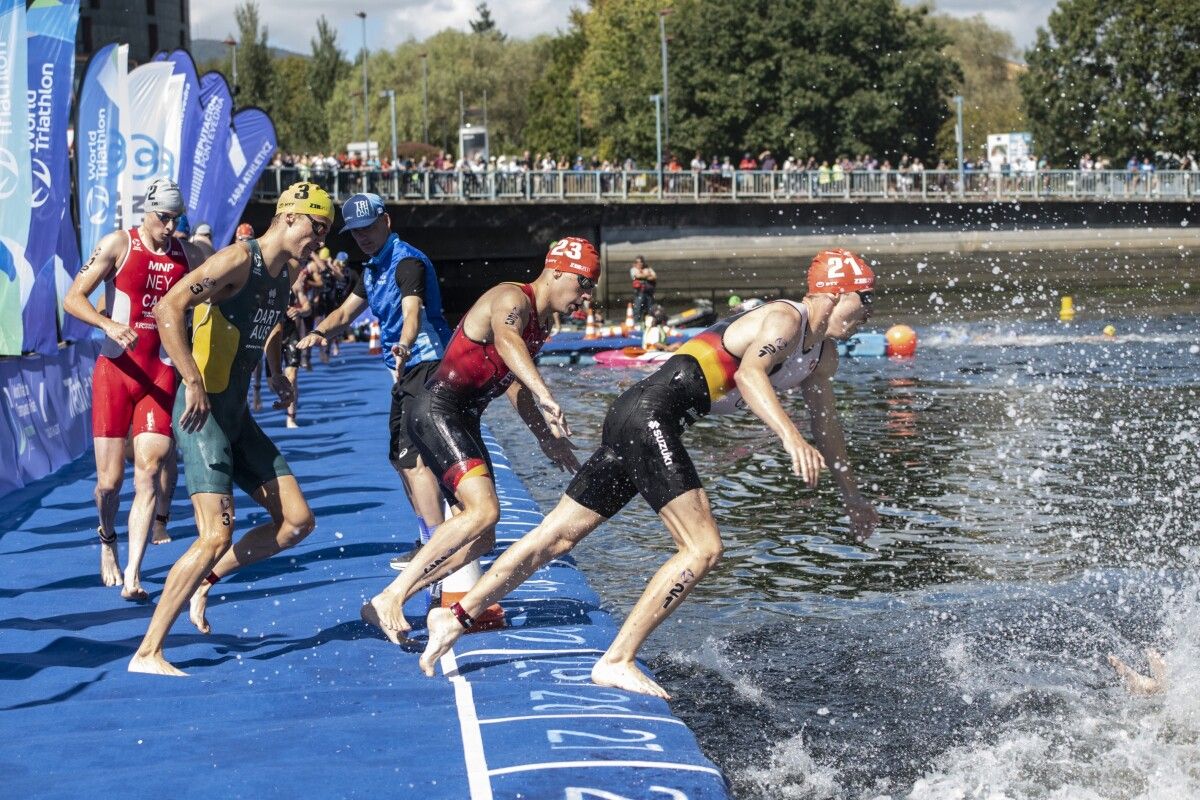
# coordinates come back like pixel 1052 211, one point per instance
pixel 485 25
pixel 809 77
pixel 1115 78
pixel 992 101
pixel 554 107
pixel 327 65
pixel 458 62
pixel 296 110
pixel 254 64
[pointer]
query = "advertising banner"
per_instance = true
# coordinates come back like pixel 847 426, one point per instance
pixel 16 275
pixel 208 181
pixel 155 117
pixel 51 46
pixel 251 146
pixel 191 124
pixel 99 146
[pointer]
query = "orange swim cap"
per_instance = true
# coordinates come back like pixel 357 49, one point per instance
pixel 838 271
pixel 574 254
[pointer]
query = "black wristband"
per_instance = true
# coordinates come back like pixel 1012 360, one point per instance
pixel 316 332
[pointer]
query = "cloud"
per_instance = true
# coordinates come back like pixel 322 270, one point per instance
pixel 389 22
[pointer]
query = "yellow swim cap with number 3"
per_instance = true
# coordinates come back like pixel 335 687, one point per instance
pixel 305 198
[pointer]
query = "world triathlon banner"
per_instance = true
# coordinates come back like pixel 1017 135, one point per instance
pixel 191 119
pixel 51 44
pixel 99 146
pixel 16 275
pixel 251 145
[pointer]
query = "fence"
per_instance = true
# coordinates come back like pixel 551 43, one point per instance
pixel 810 186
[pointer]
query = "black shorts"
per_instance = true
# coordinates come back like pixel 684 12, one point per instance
pixel 289 354
pixel 641 447
pixel 401 451
pixel 447 435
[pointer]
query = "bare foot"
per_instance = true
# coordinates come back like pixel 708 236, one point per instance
pixel 154 665
pixel 444 631
pixel 1138 683
pixel 197 606
pixel 158 534
pixel 110 570
pixel 291 422
pixel 256 403
pixel 134 591
pixel 382 611
pixel 626 676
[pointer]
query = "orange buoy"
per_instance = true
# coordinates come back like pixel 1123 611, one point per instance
pixel 901 341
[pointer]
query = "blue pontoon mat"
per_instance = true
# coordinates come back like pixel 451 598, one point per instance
pixel 292 694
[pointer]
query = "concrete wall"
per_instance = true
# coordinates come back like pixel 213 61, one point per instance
pixel 713 249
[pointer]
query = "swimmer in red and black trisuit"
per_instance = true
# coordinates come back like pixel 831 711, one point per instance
pixel 133 386
pixel 491 353
pixel 742 362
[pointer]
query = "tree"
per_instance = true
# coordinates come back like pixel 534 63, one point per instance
pixel 254 63
pixel 555 123
pixel 1115 77
pixel 485 25
pixel 992 101
pixel 295 108
pixel 327 65
pixel 809 77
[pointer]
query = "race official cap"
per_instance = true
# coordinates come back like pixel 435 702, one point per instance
pixel 244 231
pixel 203 229
pixel 305 198
pixel 361 210
pixel 164 195
pixel 839 271
pixel 574 254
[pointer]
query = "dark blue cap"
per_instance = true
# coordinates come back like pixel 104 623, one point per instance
pixel 361 210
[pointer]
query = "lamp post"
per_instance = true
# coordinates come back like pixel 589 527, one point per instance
pixel 390 94
pixel 658 136
pixel 425 96
pixel 366 113
pixel 662 39
pixel 958 140
pixel 229 40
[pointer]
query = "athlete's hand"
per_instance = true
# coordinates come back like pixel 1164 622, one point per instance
pixel 561 452
pixel 311 340
pixel 807 461
pixel 863 517
pixel 196 407
pixel 553 415
pixel 121 334
pixel 281 386
pixel 293 312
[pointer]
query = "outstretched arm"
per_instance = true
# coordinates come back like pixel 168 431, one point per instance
pixel 335 322
pixel 831 441
pixel 558 449
pixel 773 343
pixel 510 311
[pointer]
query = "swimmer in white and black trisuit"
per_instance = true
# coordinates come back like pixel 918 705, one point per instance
pixel 743 361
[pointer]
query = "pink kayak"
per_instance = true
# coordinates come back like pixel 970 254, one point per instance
pixel 631 357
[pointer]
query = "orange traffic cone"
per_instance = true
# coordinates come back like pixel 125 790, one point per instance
pixel 455 587
pixel 590 331
pixel 630 326
pixel 374 346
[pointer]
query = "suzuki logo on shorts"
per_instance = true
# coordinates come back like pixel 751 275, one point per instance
pixel 10 174
pixel 97 205
pixel 661 440
pixel 42 183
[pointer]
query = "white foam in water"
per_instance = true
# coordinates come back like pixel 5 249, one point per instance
pixel 792 774
pixel 1105 744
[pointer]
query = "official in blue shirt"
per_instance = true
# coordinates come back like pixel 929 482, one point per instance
pixel 399 284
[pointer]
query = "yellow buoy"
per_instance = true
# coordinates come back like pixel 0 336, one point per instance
pixel 1109 330
pixel 1067 312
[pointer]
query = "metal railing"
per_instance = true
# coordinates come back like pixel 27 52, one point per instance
pixel 798 186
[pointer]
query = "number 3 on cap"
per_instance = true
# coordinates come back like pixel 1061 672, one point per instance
pixel 565 247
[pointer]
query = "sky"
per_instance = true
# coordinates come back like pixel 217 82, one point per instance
pixel 292 25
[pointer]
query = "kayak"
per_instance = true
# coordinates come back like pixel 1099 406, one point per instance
pixel 631 357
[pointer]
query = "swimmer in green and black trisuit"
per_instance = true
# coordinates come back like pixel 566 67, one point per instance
pixel 240 296
pixel 742 362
